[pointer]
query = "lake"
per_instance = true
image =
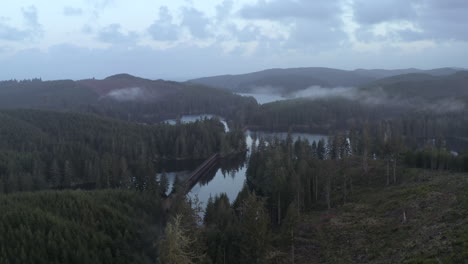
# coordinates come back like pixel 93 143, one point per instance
pixel 230 174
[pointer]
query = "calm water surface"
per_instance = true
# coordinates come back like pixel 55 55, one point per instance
pixel 230 174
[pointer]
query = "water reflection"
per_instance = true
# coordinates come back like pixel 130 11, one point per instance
pixel 228 177
pixel 230 173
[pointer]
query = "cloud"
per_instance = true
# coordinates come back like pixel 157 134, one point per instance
pixel 10 33
pixel 308 22
pixel 113 34
pixel 98 6
pixel 32 30
pixel 87 29
pixel 163 29
pixel 374 12
pixel 127 94
pixel 4 49
pixel 378 97
pixel 224 9
pixel 430 19
pixel 282 9
pixel 232 37
pixel 196 22
pixel 71 11
pixel 31 17
pixel 181 62
pixel 245 34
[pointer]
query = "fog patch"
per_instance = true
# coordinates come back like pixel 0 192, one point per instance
pixel 378 97
pixel 127 94
pixel 262 98
pixel 449 105
pixel 318 92
pixel 266 90
pixel 374 97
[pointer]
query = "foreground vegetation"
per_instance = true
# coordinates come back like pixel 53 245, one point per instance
pixel 421 220
pixel 108 226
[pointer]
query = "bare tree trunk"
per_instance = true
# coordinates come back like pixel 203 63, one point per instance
pixel 394 170
pixel 299 190
pixel 388 171
pixel 365 164
pixel 279 208
pixel 328 191
pixel 344 188
pixel 309 192
pixel 316 187
pixel 292 247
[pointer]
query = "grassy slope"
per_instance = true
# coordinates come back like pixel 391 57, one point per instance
pixel 370 229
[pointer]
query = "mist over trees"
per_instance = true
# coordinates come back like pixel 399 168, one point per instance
pixel 157 101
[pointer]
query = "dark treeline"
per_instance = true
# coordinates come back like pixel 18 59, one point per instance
pixel 190 100
pixel 112 226
pixel 332 114
pixel 160 100
pixel 42 149
pixel 316 116
pixel 436 142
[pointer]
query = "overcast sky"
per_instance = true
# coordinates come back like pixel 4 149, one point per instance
pixel 180 39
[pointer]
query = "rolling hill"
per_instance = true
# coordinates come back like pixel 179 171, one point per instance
pixel 285 81
pixel 123 96
pixel 425 86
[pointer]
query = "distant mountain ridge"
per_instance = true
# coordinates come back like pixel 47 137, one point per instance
pixel 296 79
pixel 381 73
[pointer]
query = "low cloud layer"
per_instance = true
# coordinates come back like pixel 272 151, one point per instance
pixel 378 97
pixel 127 94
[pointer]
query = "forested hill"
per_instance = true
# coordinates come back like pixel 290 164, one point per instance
pixel 409 96
pixel 286 80
pixel 380 73
pixel 47 149
pixel 289 80
pixel 425 86
pixel 323 115
pixel 125 97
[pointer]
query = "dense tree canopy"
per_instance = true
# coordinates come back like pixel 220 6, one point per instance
pixel 111 226
pixel 42 149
